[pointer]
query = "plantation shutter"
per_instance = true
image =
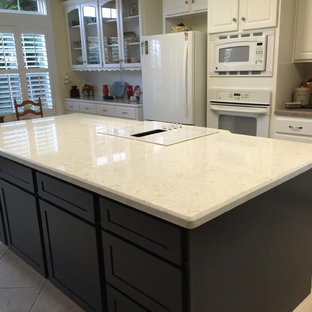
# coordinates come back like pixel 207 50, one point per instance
pixel 10 88
pixel 38 86
pixel 8 58
pixel 34 51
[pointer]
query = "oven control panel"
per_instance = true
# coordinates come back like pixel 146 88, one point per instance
pixel 252 96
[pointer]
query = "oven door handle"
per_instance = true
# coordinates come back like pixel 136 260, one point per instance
pixel 246 110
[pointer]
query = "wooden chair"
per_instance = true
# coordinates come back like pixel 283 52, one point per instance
pixel 28 110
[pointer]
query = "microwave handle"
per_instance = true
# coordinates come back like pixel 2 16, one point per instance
pixel 249 110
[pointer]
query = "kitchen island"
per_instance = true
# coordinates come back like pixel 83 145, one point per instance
pixel 220 222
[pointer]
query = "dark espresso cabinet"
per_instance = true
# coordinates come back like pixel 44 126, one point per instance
pixel 72 256
pixel 142 260
pixel 70 240
pixel 20 217
pixel 109 257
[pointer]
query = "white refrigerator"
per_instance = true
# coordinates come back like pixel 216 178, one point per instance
pixel 174 68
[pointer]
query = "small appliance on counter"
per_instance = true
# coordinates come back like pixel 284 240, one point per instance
pixel 302 95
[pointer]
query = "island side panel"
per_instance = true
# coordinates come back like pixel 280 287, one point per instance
pixel 257 257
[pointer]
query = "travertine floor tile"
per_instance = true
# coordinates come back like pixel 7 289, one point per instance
pixel 15 273
pixel 17 299
pixel 52 300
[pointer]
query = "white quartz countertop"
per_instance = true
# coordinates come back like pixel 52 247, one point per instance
pixel 188 183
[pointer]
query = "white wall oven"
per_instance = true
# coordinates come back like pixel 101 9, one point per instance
pixel 244 53
pixel 241 111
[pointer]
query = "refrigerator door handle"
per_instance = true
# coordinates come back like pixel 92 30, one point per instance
pixel 185 77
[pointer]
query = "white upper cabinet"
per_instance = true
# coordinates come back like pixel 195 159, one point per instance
pixel 83 34
pixel 303 39
pixel 234 15
pixel 120 27
pixel 258 14
pixel 176 7
pixel 222 16
pixel 105 34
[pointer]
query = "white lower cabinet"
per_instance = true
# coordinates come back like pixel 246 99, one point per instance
pixel 115 109
pixel 106 110
pixel 71 107
pixel 125 112
pixel 293 128
pixel 87 108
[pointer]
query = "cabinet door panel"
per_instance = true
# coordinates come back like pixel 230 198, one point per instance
pixel 222 15
pixel 22 223
pixel 117 302
pixel 72 256
pixel 258 14
pixel 172 7
pixel 142 276
pixel 303 47
pixel 199 5
pixel 75 36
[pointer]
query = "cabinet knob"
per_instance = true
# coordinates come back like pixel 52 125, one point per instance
pixel 186 2
pixel 234 19
pixel 243 19
pixel 193 1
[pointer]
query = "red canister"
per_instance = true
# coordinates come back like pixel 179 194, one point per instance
pixel 129 91
pixel 105 90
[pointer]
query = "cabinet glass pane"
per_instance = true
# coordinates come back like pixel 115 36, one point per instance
pixel 91 34
pixel 75 37
pixel 131 31
pixel 110 32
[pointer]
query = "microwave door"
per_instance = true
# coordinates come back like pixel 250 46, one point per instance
pixel 240 56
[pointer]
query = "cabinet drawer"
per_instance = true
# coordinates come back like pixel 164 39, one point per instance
pixel 87 108
pixel 141 276
pixel 106 110
pixel 117 302
pixel 147 231
pixel 295 126
pixel 67 196
pixel 71 106
pixel 16 174
pixel 125 112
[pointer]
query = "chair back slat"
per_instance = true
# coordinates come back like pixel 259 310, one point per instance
pixel 28 110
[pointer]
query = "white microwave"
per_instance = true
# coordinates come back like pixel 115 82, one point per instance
pixel 242 53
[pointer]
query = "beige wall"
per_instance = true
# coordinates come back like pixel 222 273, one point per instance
pixel 61 48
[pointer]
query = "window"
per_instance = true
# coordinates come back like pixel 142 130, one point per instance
pixel 23 6
pixel 29 67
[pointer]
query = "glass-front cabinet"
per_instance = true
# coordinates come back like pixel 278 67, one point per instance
pixel 83 32
pixel 105 34
pixel 75 35
pixel 130 18
pixel 110 34
pixel 91 34
pixel 120 26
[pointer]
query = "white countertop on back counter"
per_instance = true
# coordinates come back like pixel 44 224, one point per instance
pixel 188 183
